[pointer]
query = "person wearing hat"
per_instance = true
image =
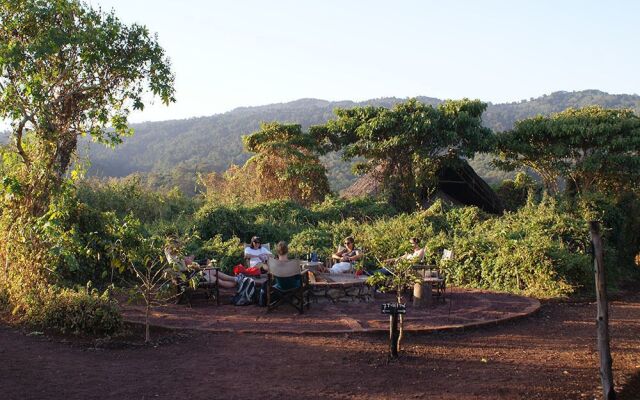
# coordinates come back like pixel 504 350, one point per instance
pixel 256 254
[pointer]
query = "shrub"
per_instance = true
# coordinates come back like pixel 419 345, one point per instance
pixel 312 240
pixel 77 311
pixel 360 209
pixel 514 193
pixel 213 219
pixel 227 253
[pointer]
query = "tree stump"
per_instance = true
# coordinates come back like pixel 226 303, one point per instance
pixel 421 294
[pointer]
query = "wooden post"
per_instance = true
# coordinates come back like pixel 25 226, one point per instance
pixel 602 321
pixel 395 335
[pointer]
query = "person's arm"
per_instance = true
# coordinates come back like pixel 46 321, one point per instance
pixel 264 255
pixel 355 257
pixel 247 256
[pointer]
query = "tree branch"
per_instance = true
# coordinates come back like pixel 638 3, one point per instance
pixel 18 139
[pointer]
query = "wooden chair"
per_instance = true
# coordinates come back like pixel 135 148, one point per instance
pixel 297 295
pixel 181 276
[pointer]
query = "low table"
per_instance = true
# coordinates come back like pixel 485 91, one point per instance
pixel 343 288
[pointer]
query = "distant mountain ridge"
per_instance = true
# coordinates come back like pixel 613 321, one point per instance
pixel 170 151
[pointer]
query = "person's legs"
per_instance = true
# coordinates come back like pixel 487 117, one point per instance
pixel 340 268
pixel 226 284
pixel 224 277
pixel 224 280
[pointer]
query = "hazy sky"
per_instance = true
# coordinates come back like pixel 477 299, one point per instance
pixel 232 53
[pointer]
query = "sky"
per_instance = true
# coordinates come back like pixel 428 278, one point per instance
pixel 235 53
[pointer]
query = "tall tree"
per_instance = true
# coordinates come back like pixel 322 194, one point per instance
pixel 287 163
pixel 591 149
pixel 404 146
pixel 68 70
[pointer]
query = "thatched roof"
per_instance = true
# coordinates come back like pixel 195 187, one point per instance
pixel 458 185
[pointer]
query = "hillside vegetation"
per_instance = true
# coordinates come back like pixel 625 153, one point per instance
pixel 171 153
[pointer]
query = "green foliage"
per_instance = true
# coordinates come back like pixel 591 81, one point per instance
pixel 360 208
pixel 312 240
pixel 227 221
pixel 130 197
pixel 226 253
pixel 514 193
pixel 83 310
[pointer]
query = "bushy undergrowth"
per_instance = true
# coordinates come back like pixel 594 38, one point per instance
pixel 68 310
pixel 540 249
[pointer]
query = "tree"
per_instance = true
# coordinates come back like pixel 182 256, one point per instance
pixel 286 166
pixel 404 146
pixel 592 149
pixel 65 70
pixel 68 70
pixel 596 151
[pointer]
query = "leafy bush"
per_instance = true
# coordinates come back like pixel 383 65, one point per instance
pixel 360 209
pixel 312 240
pixel 83 310
pixel 227 253
pixel 514 193
pixel 78 311
pixel 213 219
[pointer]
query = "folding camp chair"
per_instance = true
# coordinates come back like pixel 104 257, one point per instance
pixel 287 283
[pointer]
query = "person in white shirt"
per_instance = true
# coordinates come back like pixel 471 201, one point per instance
pixel 417 253
pixel 257 254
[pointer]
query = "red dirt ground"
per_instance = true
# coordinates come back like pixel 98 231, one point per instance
pixel 549 355
pixel 462 308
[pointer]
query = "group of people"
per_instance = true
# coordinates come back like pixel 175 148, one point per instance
pixel 258 257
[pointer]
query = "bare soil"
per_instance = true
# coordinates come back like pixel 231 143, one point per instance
pixel 549 355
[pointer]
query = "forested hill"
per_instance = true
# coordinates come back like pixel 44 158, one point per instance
pixel 170 152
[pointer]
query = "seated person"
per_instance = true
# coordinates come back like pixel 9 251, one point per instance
pixel 346 257
pixel 416 255
pixel 186 264
pixel 257 255
pixel 285 283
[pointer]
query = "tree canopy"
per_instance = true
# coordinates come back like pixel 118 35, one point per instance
pixel 404 146
pixel 591 148
pixel 68 70
pixel 285 165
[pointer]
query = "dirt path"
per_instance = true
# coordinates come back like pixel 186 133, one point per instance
pixel 550 355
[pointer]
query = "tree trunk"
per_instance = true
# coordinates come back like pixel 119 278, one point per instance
pixel 147 337
pixel 602 321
